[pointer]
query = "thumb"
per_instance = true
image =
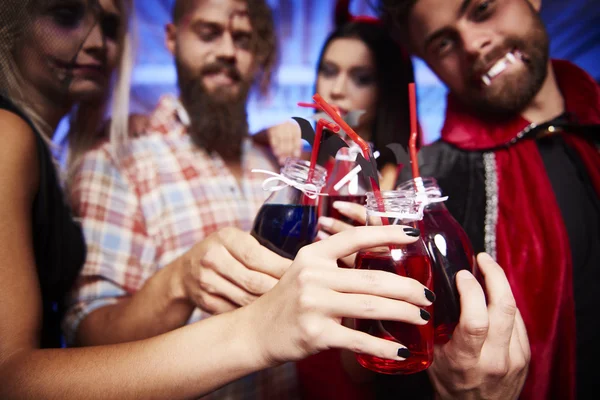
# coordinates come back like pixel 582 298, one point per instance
pixel 471 332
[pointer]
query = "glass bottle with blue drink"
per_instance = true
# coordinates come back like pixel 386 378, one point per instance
pixel 287 221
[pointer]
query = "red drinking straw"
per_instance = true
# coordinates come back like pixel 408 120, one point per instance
pixel 366 150
pixel 412 143
pixel 321 123
pixel 316 106
pixel 329 110
pixel 364 146
pixel 309 105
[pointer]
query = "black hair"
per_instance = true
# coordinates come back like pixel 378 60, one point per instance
pixel 394 71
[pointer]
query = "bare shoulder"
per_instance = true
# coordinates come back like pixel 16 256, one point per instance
pixel 18 155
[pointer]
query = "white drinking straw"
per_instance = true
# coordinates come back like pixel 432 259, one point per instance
pixel 350 175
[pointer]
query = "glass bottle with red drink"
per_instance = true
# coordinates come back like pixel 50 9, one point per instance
pixel 344 183
pixel 450 250
pixel 287 220
pixel 411 261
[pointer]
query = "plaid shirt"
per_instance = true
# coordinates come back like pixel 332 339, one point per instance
pixel 163 195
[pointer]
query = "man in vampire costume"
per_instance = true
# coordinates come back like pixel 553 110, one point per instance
pixel 519 160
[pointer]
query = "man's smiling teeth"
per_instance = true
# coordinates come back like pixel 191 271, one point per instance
pixel 499 67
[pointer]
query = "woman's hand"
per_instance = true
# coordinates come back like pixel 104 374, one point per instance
pixel 302 314
pixel 330 226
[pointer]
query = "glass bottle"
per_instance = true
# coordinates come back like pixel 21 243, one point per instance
pixel 449 248
pixel 343 185
pixel 411 261
pixel 287 220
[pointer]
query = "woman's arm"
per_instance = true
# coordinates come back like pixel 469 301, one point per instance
pixel 182 364
pixel 299 317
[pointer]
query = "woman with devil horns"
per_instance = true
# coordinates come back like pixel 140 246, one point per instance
pixel 360 68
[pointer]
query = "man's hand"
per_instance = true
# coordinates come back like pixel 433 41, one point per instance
pixel 227 270
pixel 488 355
pixel 284 139
pixel 138 123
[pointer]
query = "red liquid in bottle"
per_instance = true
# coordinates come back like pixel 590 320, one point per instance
pixel 327 210
pixel 450 251
pixel 417 338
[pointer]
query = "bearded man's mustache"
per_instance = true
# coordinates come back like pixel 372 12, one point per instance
pixel 222 67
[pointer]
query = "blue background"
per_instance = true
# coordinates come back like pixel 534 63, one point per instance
pixel 302 25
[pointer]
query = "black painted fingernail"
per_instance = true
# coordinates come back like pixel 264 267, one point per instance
pixel 414 232
pixel 425 315
pixel 403 352
pixel 430 295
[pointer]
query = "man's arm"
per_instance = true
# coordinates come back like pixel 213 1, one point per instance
pixel 112 303
pixel 227 270
pixel 122 295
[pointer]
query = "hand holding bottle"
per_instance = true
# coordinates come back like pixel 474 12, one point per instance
pixel 227 270
pixel 302 314
pixel 488 355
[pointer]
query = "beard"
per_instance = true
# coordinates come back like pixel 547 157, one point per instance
pixel 515 91
pixel 218 120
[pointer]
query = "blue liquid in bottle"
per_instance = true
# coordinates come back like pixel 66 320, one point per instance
pixel 285 228
pixel 287 221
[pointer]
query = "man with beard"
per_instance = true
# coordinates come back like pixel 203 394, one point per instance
pixel 166 215
pixel 519 162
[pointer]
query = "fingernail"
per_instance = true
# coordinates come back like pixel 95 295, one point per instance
pixel 425 315
pixel 403 352
pixel 486 257
pixel 429 295
pixel 340 205
pixel 464 274
pixel 414 232
pixel 322 235
pixel 325 222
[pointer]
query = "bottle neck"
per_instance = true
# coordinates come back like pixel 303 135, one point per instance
pixel 424 190
pixel 344 179
pixel 299 172
pixel 436 207
pixel 427 185
pixel 296 184
pixel 393 205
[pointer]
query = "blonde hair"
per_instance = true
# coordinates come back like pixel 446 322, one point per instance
pixel 86 128
pixel 86 118
pixel 14 21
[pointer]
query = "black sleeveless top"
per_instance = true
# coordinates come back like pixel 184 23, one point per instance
pixel 58 241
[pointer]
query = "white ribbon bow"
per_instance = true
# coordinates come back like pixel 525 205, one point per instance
pixel 426 197
pixel 311 190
